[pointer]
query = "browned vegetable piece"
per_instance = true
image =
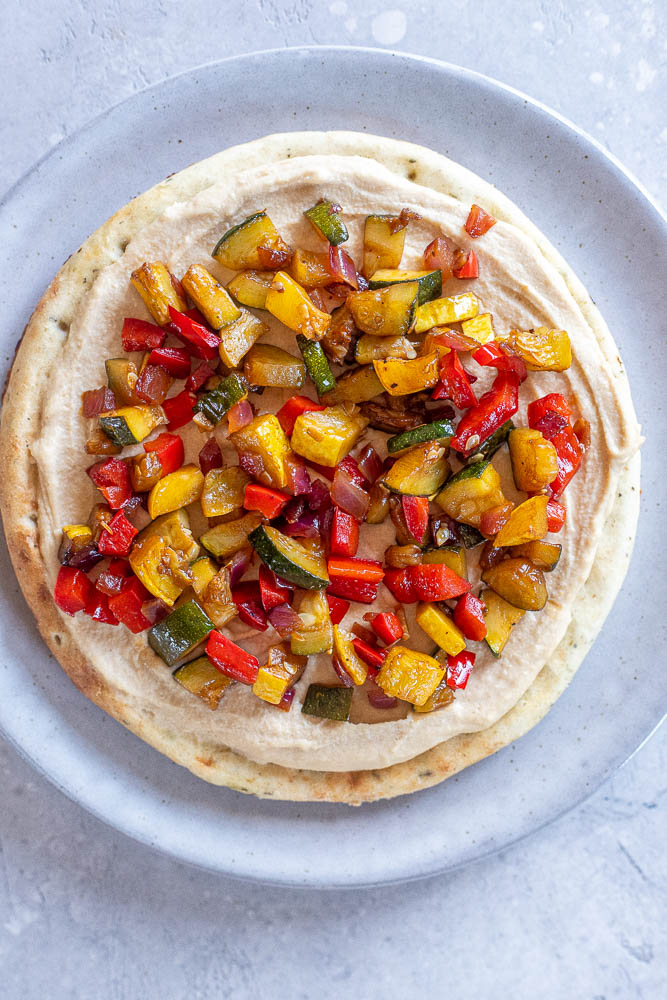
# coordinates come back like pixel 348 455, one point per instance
pixel 340 336
pixel 379 504
pixel 534 459
pixel 519 583
pixel 99 444
pixel 399 556
pixel 145 471
pixel 544 555
pixel 542 349
pixel 157 288
pixel 526 523
pixel 311 268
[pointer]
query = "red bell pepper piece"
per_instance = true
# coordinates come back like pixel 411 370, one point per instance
pixel 415 511
pixel 338 608
pixel 72 590
pixel 551 415
pixel 153 384
pixel 470 269
pixel 247 598
pixel 179 409
pixel 553 402
pixel 399 582
pixel 435 582
pixel 230 659
pixel 495 518
pixel 353 590
pixel 293 408
pixel 369 653
pixel 197 378
pixel 97 608
pixel 478 222
pixel 210 456
pixel 272 591
pixel 173 359
pixel 117 541
pixel 469 617
pixel 111 580
pixel 362 570
pixel 569 454
pixel 454 383
pixel 344 538
pixel 198 339
pixel 169 449
pixel 112 478
pixel 556 515
pixel 138 335
pixel 459 669
pixel 126 606
pixel 267 501
pixel 495 407
pixel 491 355
pixel 387 627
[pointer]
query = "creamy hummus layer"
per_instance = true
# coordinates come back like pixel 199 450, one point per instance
pixel 517 285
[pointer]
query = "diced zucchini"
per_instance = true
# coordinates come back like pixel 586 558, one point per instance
pixel 311 268
pixel 438 430
pixel 358 386
pixel 526 523
pixel 542 349
pixel 314 635
pixel 223 491
pixel 402 378
pixel 440 627
pixel 383 248
pixel 156 287
pixel 451 309
pixel 430 282
pixel 316 364
pixel 237 338
pixel 441 697
pixel 385 312
pixel 122 377
pixel 421 471
pixel 534 460
pixel 287 557
pixel 328 702
pixel 519 583
pixel 162 570
pixel 212 300
pixel 176 490
pixel 200 677
pixel 369 348
pixel 470 492
pixel 180 632
pixel 175 529
pixel 265 438
pixel 326 221
pixel 225 539
pixel 281 671
pixel 479 328
pixel 293 306
pixel 250 288
pixel 131 424
pixel 453 556
pixel 499 616
pixel 409 675
pixel 218 401
pixel 267 365
pixel 471 536
pixel 239 247
pixel 544 555
pixel 344 652
pixel 327 436
pixel 489 447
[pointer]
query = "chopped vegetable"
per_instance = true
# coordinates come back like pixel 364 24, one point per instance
pixel 248 600
pixel 469 617
pixel 429 282
pixel 440 627
pixel 363 570
pixel 179 409
pixel 358 386
pixel 438 430
pixel 353 590
pixel 339 338
pixel 122 378
pixel 459 669
pixel 328 435
pixel 401 378
pixel 197 338
pixel 117 540
pixel 543 555
pixel 225 539
pixel 420 471
pixel 131 424
pixel 450 309
pixel 289 302
pixel 489 447
pixel 112 479
pixel 342 269
pixel 383 243
pixel 287 557
pixel 180 632
pixel 556 515
pixel 479 328
pixel 273 592
pixel 470 269
pixel 265 439
pixel 324 217
pixel 156 287
pixel 415 511
pixel 387 627
pixel 311 268
pixel 338 608
pixel 500 617
pixel 453 556
pixel 280 672
pixel 328 702
pixel 159 567
pixel 385 312
pixel 519 582
pixel 316 364
pixel 250 288
pixel 267 365
pixel 409 675
pixel 153 384
pixel 268 502
pixel 470 492
pixel 174 360
pixel 218 401
pixel 230 659
pixel 223 491
pixel 314 633
pixel 344 540
pixel 138 335
pixel 237 338
pixel 168 448
pixel 178 489
pixel 240 246
pixel 454 383
pixel 542 349
pixel 213 301
pixel 494 519
pixel 346 656
pixel 369 348
pixel 430 582
pixel 127 606
pixel 72 590
pixel 200 677
pixel 526 523
pixel 493 409
pixel 478 222
pixel 441 697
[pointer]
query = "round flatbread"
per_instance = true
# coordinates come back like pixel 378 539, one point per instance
pixel 287 755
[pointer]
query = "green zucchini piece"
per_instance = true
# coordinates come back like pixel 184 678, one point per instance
pixel 439 430
pixel 358 386
pixel 316 364
pixel 328 702
pixel 420 471
pixel 200 677
pixel 385 312
pixel 225 539
pixel 218 401
pixel 122 377
pixel 288 558
pixel 238 248
pixel 500 618
pixel 180 632
pixel 470 536
pixel 430 282
pixel 326 220
pixel 131 424
pixel 489 447
pixel 473 471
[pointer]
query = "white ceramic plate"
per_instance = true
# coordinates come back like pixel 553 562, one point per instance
pixel 614 238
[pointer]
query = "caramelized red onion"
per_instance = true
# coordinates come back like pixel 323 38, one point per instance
pixel 348 495
pixel 341 672
pixel 298 480
pixel 154 610
pixel 370 464
pixel 284 619
pixel 238 565
pixel 377 698
pixel 239 416
pixel 341 267
pixel 96 401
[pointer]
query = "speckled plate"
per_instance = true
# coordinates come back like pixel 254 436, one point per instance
pixel 613 236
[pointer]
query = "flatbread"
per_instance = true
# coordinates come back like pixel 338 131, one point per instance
pixel 39 353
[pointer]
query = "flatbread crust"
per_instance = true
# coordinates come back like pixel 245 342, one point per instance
pixel 38 353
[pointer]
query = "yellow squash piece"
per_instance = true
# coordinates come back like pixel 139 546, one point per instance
pixel 291 304
pixel 543 350
pixel 280 672
pixel 450 309
pixel 159 568
pixel 131 424
pixel 409 675
pixel 225 539
pixel 382 247
pixel 212 300
pixel 175 529
pixel 544 555
pixel 401 378
pixel 440 627
pixel 237 338
pixel 270 366
pixel 200 677
pixel 500 617
pixel 154 284
pixel 203 570
pixel 526 523
pixel 265 438
pixel 311 268
pixel 454 557
pixel 223 491
pixel 471 492
pixel 327 436
pixel 218 602
pixel 145 471
pixel 314 634
pixel 479 328
pixel 122 378
pixel 344 652
pixel 420 471
pixel 370 348
pixel 176 490
pixel 81 532
pixel 358 386
pixel 519 583
pixel 441 697
pixel 250 288
pixel 534 459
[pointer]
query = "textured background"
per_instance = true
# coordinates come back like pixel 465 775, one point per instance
pixel 578 910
